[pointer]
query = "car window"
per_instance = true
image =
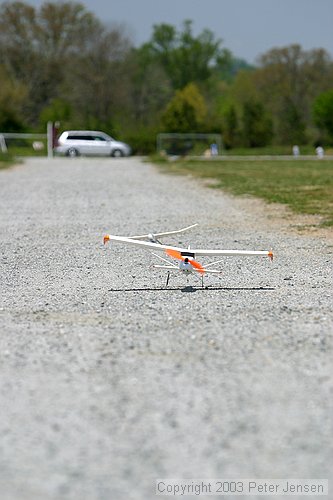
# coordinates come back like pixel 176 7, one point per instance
pixel 98 138
pixel 86 137
pixel 79 137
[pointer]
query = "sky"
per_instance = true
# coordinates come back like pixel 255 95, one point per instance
pixel 248 28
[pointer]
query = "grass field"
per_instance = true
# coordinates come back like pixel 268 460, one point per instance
pixel 271 150
pixel 306 186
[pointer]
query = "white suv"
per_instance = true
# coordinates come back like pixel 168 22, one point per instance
pixel 89 142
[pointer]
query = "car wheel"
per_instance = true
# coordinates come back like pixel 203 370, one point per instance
pixel 72 152
pixel 117 153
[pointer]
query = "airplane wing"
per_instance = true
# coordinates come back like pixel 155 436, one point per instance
pixel 158 235
pixel 146 245
pixel 185 252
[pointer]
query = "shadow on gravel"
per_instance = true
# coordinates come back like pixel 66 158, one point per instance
pixel 192 289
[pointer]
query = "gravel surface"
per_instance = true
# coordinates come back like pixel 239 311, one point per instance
pixel 109 380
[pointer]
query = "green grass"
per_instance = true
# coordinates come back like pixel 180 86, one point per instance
pixel 25 150
pixel 272 150
pixel 275 150
pixel 306 186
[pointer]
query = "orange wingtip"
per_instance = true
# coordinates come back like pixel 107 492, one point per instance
pixel 270 254
pixel 106 239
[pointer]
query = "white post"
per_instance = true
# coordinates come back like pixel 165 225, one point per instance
pixel 49 139
pixel 3 144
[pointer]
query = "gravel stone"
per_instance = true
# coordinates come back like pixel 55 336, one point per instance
pixel 109 380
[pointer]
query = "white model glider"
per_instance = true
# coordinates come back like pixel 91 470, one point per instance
pixel 186 256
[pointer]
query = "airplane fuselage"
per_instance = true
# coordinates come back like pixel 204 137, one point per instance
pixel 185 266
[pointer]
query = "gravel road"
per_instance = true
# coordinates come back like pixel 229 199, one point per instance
pixel 109 380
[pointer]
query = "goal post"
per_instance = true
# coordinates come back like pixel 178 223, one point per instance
pixel 178 144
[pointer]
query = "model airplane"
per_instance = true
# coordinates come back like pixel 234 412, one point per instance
pixel 186 256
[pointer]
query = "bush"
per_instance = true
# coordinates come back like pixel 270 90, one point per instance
pixel 142 142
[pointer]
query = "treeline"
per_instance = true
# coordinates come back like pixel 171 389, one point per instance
pixel 61 63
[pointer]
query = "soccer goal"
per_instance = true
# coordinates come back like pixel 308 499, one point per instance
pixel 189 144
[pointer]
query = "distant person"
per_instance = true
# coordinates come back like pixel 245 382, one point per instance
pixel 295 150
pixel 320 152
pixel 214 150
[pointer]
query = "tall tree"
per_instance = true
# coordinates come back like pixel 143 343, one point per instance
pixel 257 125
pixel 186 112
pixel 323 113
pixel 185 58
pixel 149 88
pixel 47 49
pixel 100 80
pixel 231 127
pixel 288 80
pixel 12 95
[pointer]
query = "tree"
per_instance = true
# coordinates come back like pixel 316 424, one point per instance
pixel 186 112
pixel 62 50
pixel 291 128
pixel 184 57
pixel 230 128
pixel 149 88
pixel 323 112
pixel 99 78
pixel 12 95
pixel 58 110
pixel 287 81
pixel 257 125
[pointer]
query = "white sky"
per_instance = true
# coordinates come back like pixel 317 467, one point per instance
pixel 248 27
